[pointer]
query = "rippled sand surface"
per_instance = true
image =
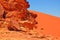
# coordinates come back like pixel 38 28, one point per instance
pixel 13 35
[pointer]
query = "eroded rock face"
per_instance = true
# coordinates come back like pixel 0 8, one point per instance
pixel 11 5
pixel 16 17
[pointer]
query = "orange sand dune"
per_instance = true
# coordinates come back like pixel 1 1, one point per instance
pixel 50 24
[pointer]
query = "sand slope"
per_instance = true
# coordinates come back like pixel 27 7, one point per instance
pixel 51 24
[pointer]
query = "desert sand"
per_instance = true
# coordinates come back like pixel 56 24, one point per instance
pixel 47 29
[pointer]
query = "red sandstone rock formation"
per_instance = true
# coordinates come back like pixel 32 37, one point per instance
pixel 16 15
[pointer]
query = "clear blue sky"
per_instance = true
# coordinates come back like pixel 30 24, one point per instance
pixel 51 7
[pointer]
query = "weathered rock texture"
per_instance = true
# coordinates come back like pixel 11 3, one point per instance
pixel 16 16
